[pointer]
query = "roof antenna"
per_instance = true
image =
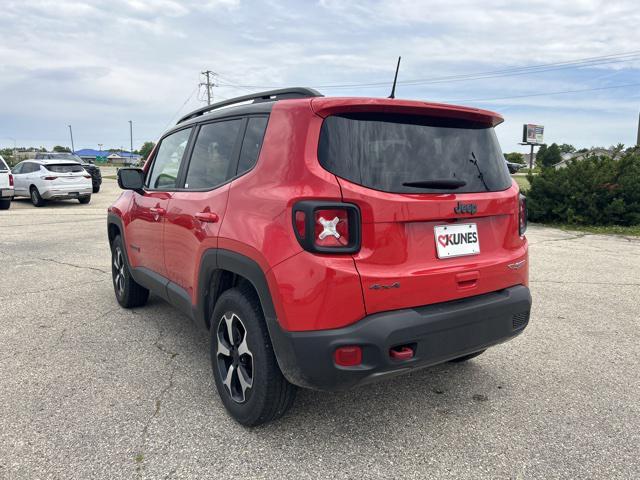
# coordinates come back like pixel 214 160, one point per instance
pixel 395 79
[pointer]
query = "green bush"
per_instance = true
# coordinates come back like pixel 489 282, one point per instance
pixel 593 191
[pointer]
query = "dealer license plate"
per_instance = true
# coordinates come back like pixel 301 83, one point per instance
pixel 457 240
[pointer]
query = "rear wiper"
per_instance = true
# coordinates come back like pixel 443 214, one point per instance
pixel 474 160
pixel 442 183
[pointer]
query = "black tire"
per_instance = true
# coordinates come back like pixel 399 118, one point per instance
pixel 36 199
pixel 84 200
pixel 128 293
pixel 465 358
pixel 96 188
pixel 269 395
pixel 5 204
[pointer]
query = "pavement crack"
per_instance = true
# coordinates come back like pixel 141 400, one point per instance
pixel 564 239
pixel 615 284
pixel 144 436
pixel 73 265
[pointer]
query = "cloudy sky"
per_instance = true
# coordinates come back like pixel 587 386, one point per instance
pixel 97 64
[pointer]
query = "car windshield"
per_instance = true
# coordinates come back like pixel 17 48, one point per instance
pixel 64 168
pixel 413 154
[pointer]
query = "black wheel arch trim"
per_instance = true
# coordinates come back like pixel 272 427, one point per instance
pixel 221 259
pixel 212 261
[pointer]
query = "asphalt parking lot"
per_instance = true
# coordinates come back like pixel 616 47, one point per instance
pixel 89 390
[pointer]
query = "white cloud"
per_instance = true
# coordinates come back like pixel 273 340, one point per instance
pixel 100 63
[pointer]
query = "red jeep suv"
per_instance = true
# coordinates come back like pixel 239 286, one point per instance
pixel 326 242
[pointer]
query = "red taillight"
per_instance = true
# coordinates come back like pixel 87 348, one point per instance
pixel 327 227
pixel 350 356
pixel 49 178
pixel 522 215
pixel 10 180
pixel 331 228
pixel 87 176
pixel 300 224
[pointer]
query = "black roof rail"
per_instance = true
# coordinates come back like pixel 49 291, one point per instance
pixel 268 96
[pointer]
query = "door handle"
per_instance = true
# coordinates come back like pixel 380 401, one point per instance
pixel 157 210
pixel 207 217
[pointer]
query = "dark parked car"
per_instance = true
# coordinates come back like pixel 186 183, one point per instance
pixel 514 167
pixel 93 170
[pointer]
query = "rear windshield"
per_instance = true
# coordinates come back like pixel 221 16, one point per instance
pixel 3 166
pixel 383 151
pixel 64 168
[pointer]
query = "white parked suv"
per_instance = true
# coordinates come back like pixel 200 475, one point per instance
pixel 43 180
pixel 6 185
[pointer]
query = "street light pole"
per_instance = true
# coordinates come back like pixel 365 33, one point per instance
pixel 73 149
pixel 131 138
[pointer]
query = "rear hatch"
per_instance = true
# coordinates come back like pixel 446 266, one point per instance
pixel 67 176
pixel 439 209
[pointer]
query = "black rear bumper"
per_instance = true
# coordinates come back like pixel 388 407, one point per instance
pixel 437 333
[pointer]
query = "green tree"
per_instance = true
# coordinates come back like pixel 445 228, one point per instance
pixel 598 190
pixel 61 149
pixel 514 157
pixel 548 156
pixel 567 148
pixel 146 149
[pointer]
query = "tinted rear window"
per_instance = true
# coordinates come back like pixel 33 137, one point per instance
pixel 383 151
pixel 64 168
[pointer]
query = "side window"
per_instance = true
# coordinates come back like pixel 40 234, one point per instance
pixel 18 168
pixel 252 143
pixel 30 167
pixel 166 164
pixel 212 157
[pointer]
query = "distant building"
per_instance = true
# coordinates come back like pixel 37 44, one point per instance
pixel 114 158
pixel 568 157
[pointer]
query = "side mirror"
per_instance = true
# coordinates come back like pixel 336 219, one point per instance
pixel 131 179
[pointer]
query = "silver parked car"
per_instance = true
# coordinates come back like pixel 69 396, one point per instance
pixel 43 180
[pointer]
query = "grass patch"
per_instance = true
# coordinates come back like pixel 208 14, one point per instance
pixel 632 231
pixel 111 177
pixel 522 182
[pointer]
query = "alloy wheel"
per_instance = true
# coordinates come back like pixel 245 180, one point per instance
pixel 235 360
pixel 118 271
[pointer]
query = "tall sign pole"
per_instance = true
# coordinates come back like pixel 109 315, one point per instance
pixel 71 133
pixel 532 135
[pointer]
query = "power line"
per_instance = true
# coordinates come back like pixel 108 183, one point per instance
pixel 195 89
pixel 578 63
pixel 542 94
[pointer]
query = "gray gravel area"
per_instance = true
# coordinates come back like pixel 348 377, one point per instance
pixel 89 390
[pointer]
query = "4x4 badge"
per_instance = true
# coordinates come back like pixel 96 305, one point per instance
pixel 465 208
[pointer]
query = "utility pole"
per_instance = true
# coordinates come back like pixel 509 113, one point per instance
pixel 100 146
pixel 73 149
pixel 208 84
pixel 131 136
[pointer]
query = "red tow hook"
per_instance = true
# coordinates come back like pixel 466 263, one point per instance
pixel 401 353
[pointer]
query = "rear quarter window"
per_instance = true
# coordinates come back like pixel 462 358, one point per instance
pixel 384 151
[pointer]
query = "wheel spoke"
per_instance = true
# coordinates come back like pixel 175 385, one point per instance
pixel 246 381
pixel 229 323
pixel 228 378
pixel 222 349
pixel 243 348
